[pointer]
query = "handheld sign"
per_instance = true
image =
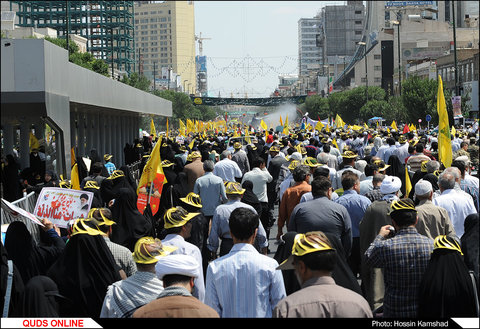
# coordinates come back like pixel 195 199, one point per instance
pixel 60 205
pixel 16 211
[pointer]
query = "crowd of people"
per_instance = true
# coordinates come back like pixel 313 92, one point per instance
pixel 369 223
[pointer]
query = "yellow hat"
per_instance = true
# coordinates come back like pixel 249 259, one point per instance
pixel 85 226
pixel 274 148
pixel 237 145
pixel 424 166
pixel 381 165
pixel 177 217
pixel 107 157
pixel 294 164
pixel 193 155
pixel 446 242
pixel 349 155
pixel 311 162
pixel 193 200
pixel 304 244
pixel 166 163
pixel 91 184
pixel 403 204
pixel 116 174
pixel 148 250
pixel 234 188
pixel 65 184
pixel 100 222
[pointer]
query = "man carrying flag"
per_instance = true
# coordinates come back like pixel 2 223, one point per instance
pixel 151 182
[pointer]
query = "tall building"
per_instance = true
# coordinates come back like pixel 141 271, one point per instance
pixel 310 45
pixel 107 26
pixel 165 39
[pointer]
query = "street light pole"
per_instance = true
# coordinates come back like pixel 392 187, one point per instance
pixel 366 68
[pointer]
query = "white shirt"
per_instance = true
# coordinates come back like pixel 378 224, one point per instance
pixel 457 206
pixel 227 169
pixel 259 178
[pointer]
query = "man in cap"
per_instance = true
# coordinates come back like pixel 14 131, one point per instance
pixel 178 228
pixel 403 258
pixel 194 169
pixel 402 151
pixel 313 259
pixel 349 158
pixel 102 217
pixel 240 157
pixel 178 273
pixel 220 223
pixel 226 168
pixel 244 283
pixel 125 296
pixel 376 216
pixel 432 220
pixel 108 163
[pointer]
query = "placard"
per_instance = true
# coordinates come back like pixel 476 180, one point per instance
pixel 60 205
pixel 15 211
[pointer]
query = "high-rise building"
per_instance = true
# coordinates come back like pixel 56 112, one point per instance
pixel 165 40
pixel 310 45
pixel 107 26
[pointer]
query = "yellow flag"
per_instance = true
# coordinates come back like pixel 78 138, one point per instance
pixel 153 132
pixel 444 139
pixel 339 122
pixel 334 142
pixel 74 176
pixel 152 167
pixel 167 129
pixel 281 122
pixel 182 128
pixel 408 183
pixel 286 129
pixel 394 125
pixel 453 131
pixel 263 125
pixel 33 142
pixel 191 144
pixel 319 126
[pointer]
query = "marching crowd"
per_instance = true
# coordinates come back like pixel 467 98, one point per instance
pixel 370 224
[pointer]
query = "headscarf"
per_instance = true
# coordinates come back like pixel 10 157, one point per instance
pixel 433 180
pixel 17 292
pixel 446 289
pixel 469 241
pixel 396 169
pixel 31 259
pixel 249 197
pixel 131 224
pixel 83 273
pixel 342 274
pixel 42 298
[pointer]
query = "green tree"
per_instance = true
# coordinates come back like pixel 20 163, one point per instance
pixel 317 106
pixel 419 97
pixel 137 81
pixel 85 60
pixel 374 108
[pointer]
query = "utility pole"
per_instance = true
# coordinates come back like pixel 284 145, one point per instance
pixel 67 26
pixel 154 74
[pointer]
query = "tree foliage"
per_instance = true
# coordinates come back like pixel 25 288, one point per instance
pixel 86 60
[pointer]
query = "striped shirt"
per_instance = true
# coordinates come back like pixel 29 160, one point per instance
pixel 404 259
pixel 123 257
pixel 244 284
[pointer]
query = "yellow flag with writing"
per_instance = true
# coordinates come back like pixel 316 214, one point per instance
pixel 444 139
pixel 74 175
pixel 408 183
pixel 152 167
pixel 153 132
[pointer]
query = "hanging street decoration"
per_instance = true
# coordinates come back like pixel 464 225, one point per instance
pixel 267 101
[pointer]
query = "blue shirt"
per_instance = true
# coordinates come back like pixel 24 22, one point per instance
pixel 356 205
pixel 211 190
pixel 110 167
pixel 221 229
pixel 244 284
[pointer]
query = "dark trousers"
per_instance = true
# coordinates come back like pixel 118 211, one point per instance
pixel 354 259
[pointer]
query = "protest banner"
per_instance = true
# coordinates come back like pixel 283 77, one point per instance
pixel 60 205
pixel 16 211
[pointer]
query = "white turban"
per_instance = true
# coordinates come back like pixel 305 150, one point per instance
pixel 177 264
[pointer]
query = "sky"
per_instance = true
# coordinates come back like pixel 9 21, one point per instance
pixel 251 43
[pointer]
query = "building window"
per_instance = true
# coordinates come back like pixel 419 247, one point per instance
pixel 377 56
